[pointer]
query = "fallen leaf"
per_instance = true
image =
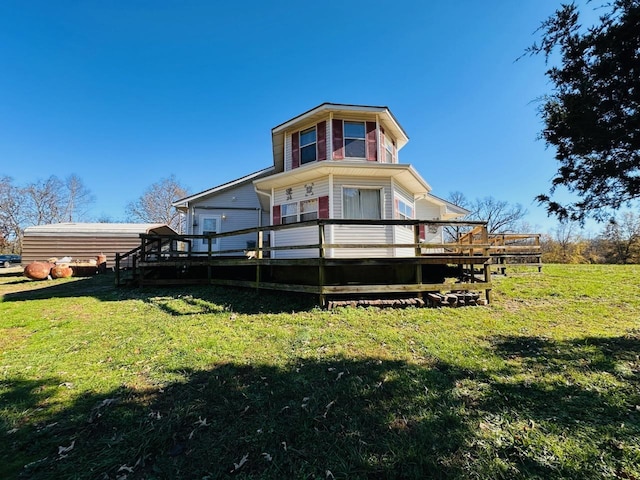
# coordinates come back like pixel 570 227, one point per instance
pixel 62 450
pixel 201 422
pixel 238 466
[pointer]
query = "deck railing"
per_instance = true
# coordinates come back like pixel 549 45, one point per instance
pixel 156 247
pixel 177 251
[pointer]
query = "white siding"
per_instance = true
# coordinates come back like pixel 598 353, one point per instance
pixel 367 233
pixel 296 236
pixel 403 234
pixel 320 188
pixel 287 152
pixel 428 211
pixel 241 208
pixel 299 236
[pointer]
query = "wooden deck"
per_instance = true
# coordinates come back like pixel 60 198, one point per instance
pixel 427 267
pixel 508 249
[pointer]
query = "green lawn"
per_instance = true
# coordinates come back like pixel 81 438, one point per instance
pixel 204 382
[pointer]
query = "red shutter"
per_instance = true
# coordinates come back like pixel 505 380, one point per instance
pixel 397 210
pixel 338 140
pixel 372 150
pixel 276 215
pixel 295 150
pixel 383 146
pixel 323 207
pixel 422 232
pixel 321 137
pixel 395 153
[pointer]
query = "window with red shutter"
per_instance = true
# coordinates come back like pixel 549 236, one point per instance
pixel 323 207
pixel 295 150
pixel 322 141
pixel 372 146
pixel 338 140
pixel 276 215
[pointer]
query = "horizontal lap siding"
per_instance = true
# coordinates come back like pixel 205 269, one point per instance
pixel 245 198
pixel 299 193
pixel 424 211
pixel 404 234
pixel 375 234
pixel 365 233
pixel 297 236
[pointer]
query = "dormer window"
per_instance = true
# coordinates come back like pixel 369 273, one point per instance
pixel 354 140
pixel 308 145
pixel 388 147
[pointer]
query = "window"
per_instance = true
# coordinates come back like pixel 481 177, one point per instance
pixel 308 210
pixel 289 213
pixel 354 140
pixel 308 145
pixel 388 147
pixel 209 227
pixel 405 211
pixel 361 203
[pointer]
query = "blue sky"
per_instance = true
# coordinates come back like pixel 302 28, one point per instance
pixel 123 94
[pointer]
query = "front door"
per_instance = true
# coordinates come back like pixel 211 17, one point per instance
pixel 208 224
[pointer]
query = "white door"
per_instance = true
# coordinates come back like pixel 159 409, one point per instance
pixel 208 224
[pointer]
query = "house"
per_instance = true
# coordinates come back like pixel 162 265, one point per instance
pixel 334 161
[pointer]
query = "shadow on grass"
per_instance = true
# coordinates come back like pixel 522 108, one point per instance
pixel 326 419
pixel 334 418
pixel 582 391
pixel 209 298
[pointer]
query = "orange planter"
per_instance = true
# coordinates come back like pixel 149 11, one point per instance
pixel 61 271
pixel 38 270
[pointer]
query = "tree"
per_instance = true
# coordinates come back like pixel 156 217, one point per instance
pixel 11 215
pixel 565 245
pixel 40 202
pixel 77 199
pixel 43 201
pixel 622 239
pixel 155 204
pixel 501 216
pixel 592 116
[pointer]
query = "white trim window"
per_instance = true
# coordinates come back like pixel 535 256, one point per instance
pixel 354 140
pixel 361 203
pixel 207 225
pixel 404 211
pixel 308 144
pixel 308 209
pixel 388 149
pixel 289 213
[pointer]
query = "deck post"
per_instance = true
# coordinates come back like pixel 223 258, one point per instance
pixel 117 269
pixel 418 254
pixel 209 259
pixel 259 244
pixel 487 279
pixel 321 279
pixel 258 258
